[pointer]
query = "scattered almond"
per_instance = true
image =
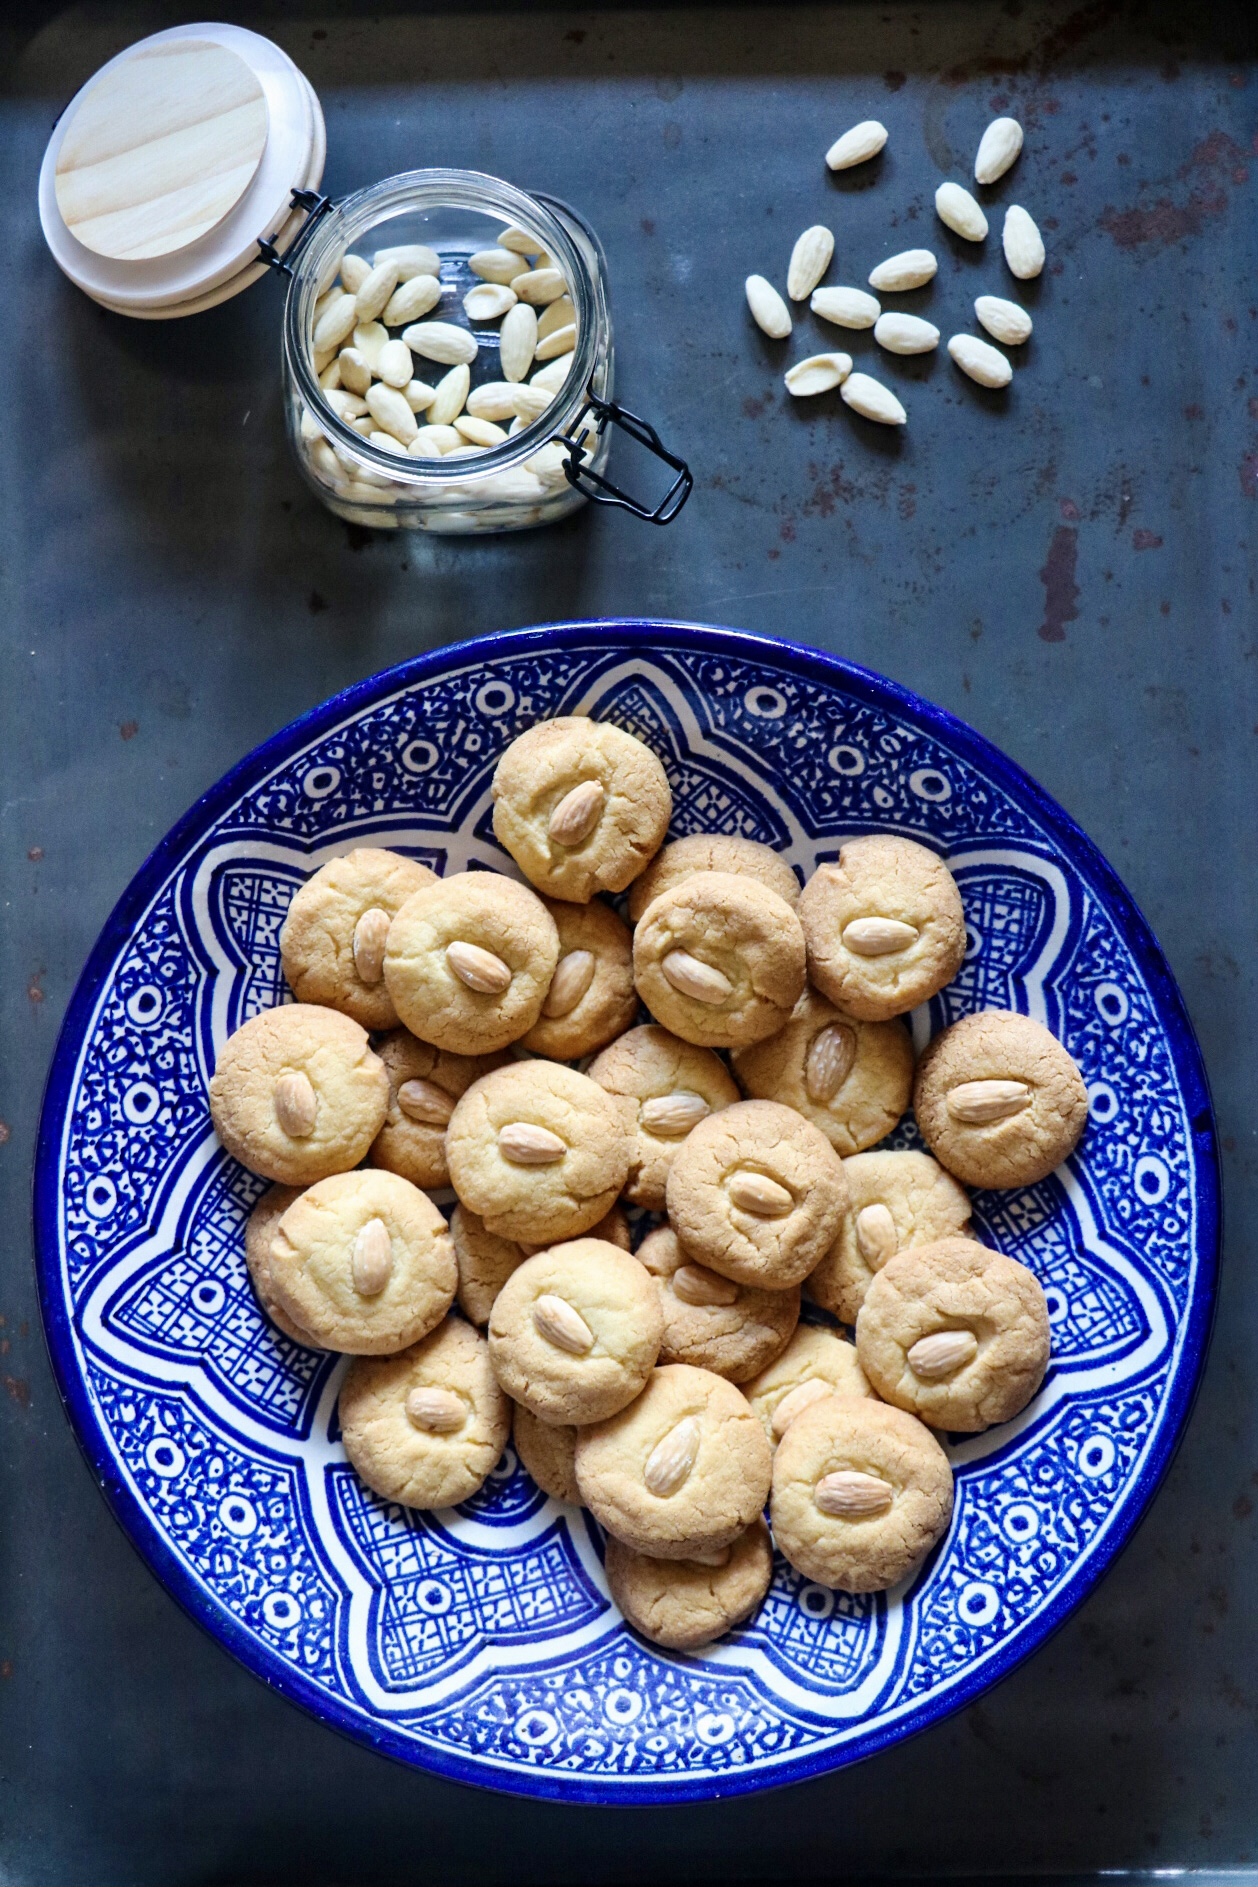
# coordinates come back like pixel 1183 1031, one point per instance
pixel 998 149
pixel 912 268
pixel 517 341
pixel 440 341
pixel 539 286
pixel 1004 320
pixel 957 209
pixel 810 258
pixel 846 307
pixel 488 302
pixel 1023 244
pixel 980 361
pixel 905 334
pixel 872 400
pixel 495 265
pixel 857 146
pixel 820 373
pixel 413 298
pixel 768 310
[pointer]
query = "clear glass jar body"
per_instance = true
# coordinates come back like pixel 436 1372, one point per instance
pixel 510 486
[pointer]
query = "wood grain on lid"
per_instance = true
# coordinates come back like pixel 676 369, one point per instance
pixel 160 148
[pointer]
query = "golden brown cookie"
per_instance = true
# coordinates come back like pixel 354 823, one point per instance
pixel 538 1151
pixel 852 1079
pixel 581 806
pixel 815 1363
pixel 682 1472
pixel 998 1099
pixel 861 1493
pixel 424 1085
pixel 332 941
pixel 669 1086
pixel 884 925
pixel 259 1231
pixel 711 1322
pixel 486 1261
pixel 363 1261
pixel 575 1331
pixel 719 959
pixel 683 1604
pixel 298 1094
pixel 427 1427
pixel 548 1452
pixel 591 998
pixel 956 1333
pixel 894 1200
pixel 756 1193
pixel 469 961
pixel 712 851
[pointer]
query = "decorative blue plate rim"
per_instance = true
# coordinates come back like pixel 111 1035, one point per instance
pixel 633 634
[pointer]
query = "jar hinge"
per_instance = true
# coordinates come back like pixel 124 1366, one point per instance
pixel 600 490
pixel 316 208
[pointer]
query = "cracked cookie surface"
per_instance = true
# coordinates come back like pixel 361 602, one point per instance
pixel 884 926
pixel 332 940
pixel 894 1200
pixel 719 959
pixel 712 851
pixel 668 1086
pixel 684 1604
pixel 298 1094
pixel 591 998
pixel 999 1101
pixel 709 1321
pixel 469 961
pixel 851 1079
pixel 575 1331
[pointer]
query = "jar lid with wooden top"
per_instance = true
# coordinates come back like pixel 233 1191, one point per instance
pixel 173 162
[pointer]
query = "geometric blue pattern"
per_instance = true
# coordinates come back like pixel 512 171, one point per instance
pixel 481 1642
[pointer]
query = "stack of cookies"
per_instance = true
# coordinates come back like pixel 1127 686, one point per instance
pixel 673 1391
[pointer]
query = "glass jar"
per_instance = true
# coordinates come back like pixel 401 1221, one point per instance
pixel 538 474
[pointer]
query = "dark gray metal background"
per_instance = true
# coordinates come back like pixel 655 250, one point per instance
pixel 1069 567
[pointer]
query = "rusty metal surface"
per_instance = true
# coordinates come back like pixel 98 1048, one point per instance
pixel 1070 567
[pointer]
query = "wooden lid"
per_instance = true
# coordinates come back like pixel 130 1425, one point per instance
pixel 160 148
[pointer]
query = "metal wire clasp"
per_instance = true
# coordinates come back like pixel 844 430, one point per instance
pixel 601 490
pixel 316 208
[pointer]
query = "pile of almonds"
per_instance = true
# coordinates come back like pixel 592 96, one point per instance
pixel 1006 321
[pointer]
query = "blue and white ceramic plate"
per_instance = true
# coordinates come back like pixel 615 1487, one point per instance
pixel 480 1642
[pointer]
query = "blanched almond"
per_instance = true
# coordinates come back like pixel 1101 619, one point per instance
pixel 857 146
pixel 375 290
pixel 478 969
pixel 370 935
pixel 980 361
pixel 872 400
pixel 1004 320
pixel 876 1236
pixel 539 286
pixel 577 813
pixel 395 365
pixel 768 310
pixel 556 1320
pixel 494 265
pixel 958 210
pixel 418 395
pixel 369 338
pixel 758 1194
pixel 560 314
pixel 441 341
pixel 671 1116
pixel 295 1104
pixel 434 442
pixel 517 341
pixel 530 402
pixel 355 373
pixel 448 397
pixel 998 149
pixel 942 1354
pixel 437 1411
pixel 669 1463
pixel 553 374
pixel 354 272
pixel 846 307
pixel 414 298
pixel 689 976
pixel 489 301
pixel 335 324
pixel 810 258
pixel 912 268
pixel 558 341
pixel 412 258
pixel 479 432
pixel 1023 244
pixel 851 1495
pixel 371 1261
pixel 573 975
pixel 527 1145
pixel 391 412
pixel 425 1103
pixel 905 334
pixel 703 1289
pixel 800 1398
pixel 493 399
pixel 878 936
pixel 820 373
pixel 979 1103
pixel 520 242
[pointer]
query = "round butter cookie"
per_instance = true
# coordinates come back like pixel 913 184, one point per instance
pixel 884 926
pixel 486 1261
pixel 298 1094
pixel 469 961
pixel 999 1101
pixel 548 1452
pixel 425 1083
pixel 259 1231
pixel 581 806
pixel 719 959
pixel 575 1331
pixel 668 1086
pixel 861 1493
pixel 711 1322
pixel 815 1363
pixel 956 1333
pixel 681 1472
pixel 591 998
pixel 427 1427
pixel 332 941
pixel 538 1151
pixel 683 1604
pixel 852 1079
pixel 712 851
pixel 894 1200
pixel 363 1261
pixel 756 1193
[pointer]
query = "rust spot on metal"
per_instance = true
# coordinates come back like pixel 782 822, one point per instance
pixel 19 1389
pixel 1193 411
pixel 1061 592
pixel 1216 161
pixel 33 992
pixel 1145 540
pixel 129 729
pixel 1069 510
